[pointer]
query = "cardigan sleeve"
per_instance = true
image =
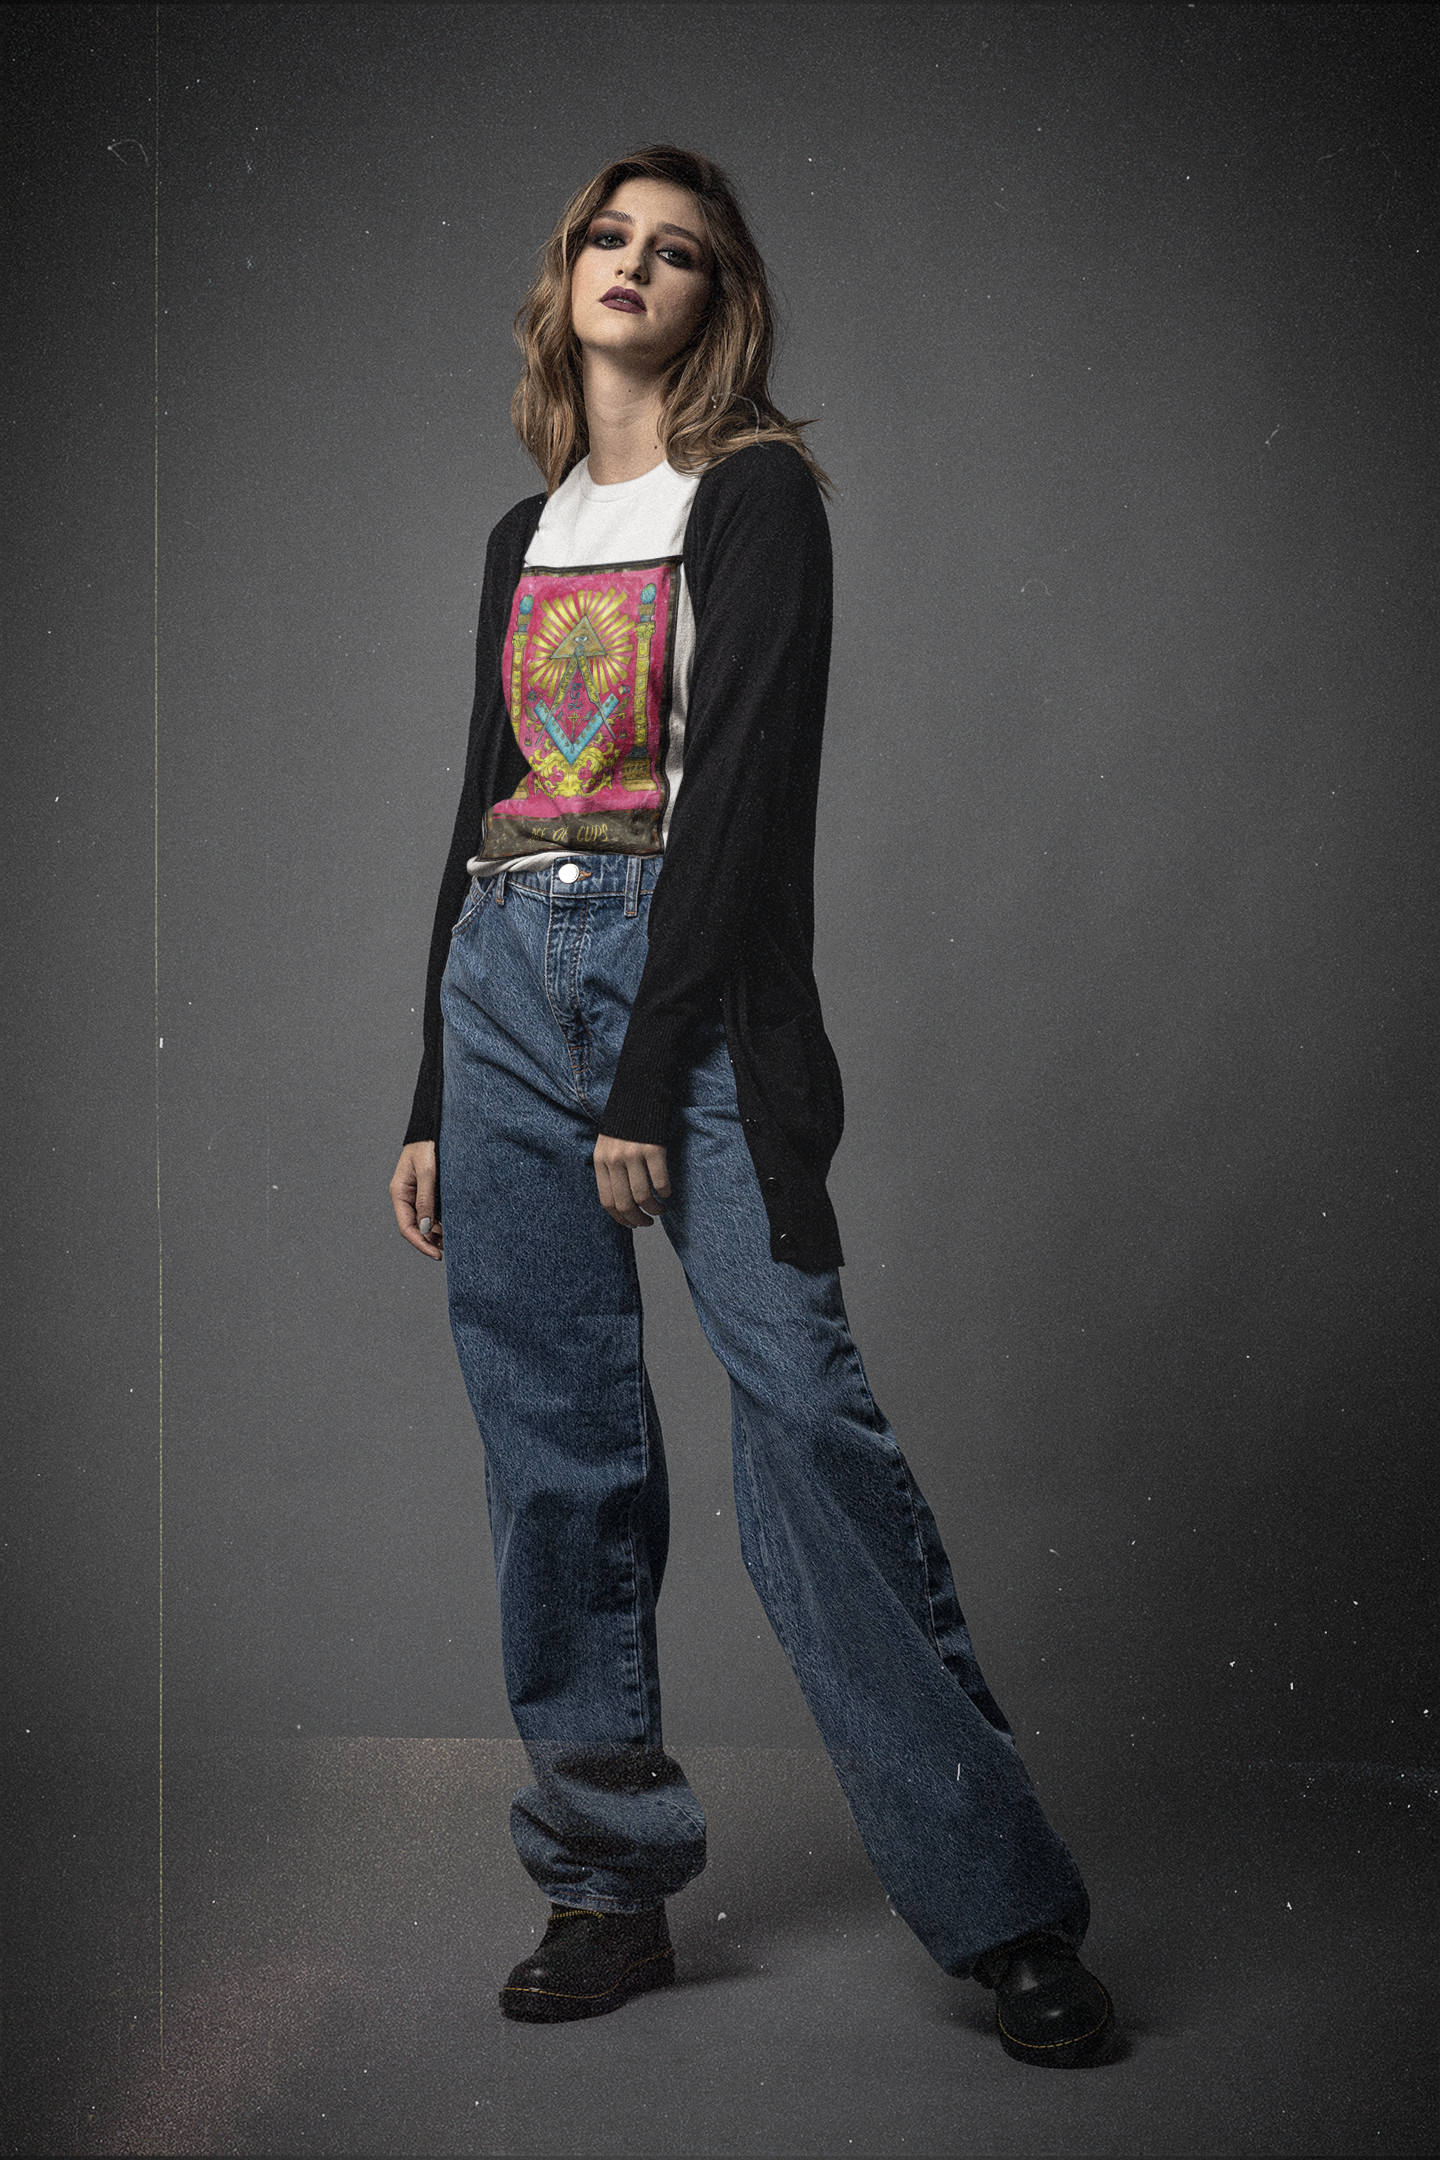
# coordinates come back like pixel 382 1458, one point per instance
pixel 490 751
pixel 757 559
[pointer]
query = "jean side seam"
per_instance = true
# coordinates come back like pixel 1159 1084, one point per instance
pixel 637 1632
pixel 762 1541
pixel 902 1468
pixel 920 1554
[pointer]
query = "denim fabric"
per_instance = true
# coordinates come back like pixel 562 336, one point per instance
pixel 844 1552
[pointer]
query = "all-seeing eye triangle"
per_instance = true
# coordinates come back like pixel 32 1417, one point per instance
pixel 582 643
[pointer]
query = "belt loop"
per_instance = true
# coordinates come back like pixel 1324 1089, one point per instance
pixel 501 879
pixel 633 867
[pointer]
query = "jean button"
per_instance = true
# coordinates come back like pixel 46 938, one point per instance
pixel 568 872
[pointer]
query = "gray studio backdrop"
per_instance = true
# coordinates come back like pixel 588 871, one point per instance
pixel 1115 326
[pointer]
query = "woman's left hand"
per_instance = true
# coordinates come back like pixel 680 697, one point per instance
pixel 633 1181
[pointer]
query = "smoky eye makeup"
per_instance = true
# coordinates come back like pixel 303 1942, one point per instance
pixel 678 253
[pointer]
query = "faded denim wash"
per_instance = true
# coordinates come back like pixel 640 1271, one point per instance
pixel 838 1541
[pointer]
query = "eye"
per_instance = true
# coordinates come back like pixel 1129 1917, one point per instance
pixel 607 237
pixel 680 257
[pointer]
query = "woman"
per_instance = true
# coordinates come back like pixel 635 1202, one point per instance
pixel 621 1026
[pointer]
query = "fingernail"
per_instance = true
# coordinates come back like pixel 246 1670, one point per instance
pixel 424 1226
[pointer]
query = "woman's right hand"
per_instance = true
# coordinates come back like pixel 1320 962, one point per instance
pixel 412 1195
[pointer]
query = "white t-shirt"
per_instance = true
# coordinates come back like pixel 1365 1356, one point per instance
pixel 596 668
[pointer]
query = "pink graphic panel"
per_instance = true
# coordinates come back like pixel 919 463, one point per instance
pixel 586 673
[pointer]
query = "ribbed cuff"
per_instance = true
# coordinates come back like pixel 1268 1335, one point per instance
pixel 644 1091
pixel 640 1110
pixel 424 1108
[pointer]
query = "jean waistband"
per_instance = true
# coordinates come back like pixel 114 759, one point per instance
pixel 586 877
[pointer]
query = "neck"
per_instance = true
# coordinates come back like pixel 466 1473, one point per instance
pixel 622 414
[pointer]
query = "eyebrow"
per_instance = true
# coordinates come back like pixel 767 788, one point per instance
pixel 626 219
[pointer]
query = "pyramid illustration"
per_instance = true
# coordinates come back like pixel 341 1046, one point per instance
pixel 582 645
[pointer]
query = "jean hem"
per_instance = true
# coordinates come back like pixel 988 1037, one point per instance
pixel 575 1896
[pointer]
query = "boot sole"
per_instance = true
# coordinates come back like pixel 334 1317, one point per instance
pixel 545 2006
pixel 1076 2054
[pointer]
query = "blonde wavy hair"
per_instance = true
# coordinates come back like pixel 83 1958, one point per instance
pixel 717 390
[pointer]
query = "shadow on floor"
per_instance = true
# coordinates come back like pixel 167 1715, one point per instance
pixel 338 1914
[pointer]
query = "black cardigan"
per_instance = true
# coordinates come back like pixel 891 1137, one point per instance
pixel 732 920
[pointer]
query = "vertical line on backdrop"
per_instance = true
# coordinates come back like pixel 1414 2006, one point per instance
pixel 159 1046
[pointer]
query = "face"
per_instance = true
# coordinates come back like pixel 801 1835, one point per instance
pixel 641 282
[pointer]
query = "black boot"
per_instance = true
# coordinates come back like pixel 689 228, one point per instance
pixel 1048 2008
pixel 589 1962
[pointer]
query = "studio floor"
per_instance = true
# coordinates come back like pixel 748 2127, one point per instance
pixel 339 1912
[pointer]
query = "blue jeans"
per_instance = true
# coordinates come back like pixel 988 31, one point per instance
pixel 839 1543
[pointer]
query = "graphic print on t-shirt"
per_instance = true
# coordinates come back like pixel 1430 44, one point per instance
pixel 587 678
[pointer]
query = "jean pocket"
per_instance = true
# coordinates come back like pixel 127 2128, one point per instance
pixel 475 899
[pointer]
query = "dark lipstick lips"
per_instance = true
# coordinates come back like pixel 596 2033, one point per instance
pixel 634 304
